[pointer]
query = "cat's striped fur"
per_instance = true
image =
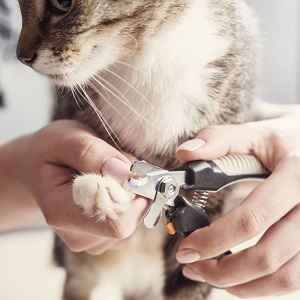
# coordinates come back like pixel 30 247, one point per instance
pixel 157 71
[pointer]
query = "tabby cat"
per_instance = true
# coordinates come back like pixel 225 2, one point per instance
pixel 147 75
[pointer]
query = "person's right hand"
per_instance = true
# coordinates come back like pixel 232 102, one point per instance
pixel 272 209
pixel 47 162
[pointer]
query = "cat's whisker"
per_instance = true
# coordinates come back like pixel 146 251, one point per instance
pixel 77 99
pixel 129 66
pixel 64 90
pixel 111 89
pixel 104 122
pixel 146 76
pixel 84 95
pixel 124 101
pixel 133 121
pixel 135 41
pixel 61 92
pixel 133 88
pixel 91 85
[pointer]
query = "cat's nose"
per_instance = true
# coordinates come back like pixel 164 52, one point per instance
pixel 27 59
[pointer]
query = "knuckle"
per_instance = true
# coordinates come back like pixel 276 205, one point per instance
pixel 220 282
pixel 121 235
pixel 213 130
pixel 239 292
pixel 269 263
pixel 215 247
pixel 87 149
pixel 252 222
pixel 120 231
pixel 291 161
pixel 290 282
pixel 75 246
pixel 51 220
pixel 76 243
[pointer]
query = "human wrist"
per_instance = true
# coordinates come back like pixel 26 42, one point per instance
pixel 17 204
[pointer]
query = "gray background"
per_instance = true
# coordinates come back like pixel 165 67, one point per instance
pixel 26 256
pixel 280 26
pixel 28 106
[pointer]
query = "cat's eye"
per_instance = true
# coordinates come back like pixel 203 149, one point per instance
pixel 61 6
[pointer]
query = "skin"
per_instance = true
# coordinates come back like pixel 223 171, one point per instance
pixel 272 266
pixel 36 174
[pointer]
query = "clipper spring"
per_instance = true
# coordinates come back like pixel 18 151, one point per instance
pixel 200 198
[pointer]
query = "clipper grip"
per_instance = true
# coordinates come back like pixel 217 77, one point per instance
pixel 187 216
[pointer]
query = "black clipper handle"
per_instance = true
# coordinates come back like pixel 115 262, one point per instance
pixel 187 216
pixel 212 176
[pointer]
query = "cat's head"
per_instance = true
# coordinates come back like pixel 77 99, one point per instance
pixel 71 40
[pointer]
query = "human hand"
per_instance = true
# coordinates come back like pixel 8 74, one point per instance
pixel 272 266
pixel 50 160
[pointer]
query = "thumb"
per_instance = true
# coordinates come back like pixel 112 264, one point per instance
pixel 218 140
pixel 76 146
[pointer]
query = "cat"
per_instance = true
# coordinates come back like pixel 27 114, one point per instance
pixel 146 75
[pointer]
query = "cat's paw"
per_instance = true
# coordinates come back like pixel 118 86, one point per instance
pixel 101 196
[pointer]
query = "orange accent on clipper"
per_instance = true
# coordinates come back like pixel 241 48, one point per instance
pixel 170 228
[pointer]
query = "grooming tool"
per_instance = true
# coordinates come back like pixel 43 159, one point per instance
pixel 163 187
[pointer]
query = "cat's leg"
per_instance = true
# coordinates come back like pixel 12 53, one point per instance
pixel 177 287
pixel 81 273
pixel 199 291
pixel 79 284
pixel 101 196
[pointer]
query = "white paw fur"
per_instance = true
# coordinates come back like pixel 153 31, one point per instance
pixel 101 196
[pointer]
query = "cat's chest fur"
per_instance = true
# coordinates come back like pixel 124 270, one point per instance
pixel 159 97
pixel 152 73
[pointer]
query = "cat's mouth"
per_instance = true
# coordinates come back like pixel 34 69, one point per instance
pixel 61 80
pixel 73 69
pixel 70 73
pixel 67 80
pixel 56 78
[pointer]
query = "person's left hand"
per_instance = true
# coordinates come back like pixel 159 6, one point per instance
pixel 46 163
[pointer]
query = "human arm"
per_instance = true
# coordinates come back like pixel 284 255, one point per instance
pixel 272 265
pixel 37 171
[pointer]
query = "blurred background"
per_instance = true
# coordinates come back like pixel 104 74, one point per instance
pixel 280 27
pixel 26 269
pixel 27 106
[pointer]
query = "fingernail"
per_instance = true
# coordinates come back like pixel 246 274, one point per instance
pixel 192 274
pixel 187 256
pixel 117 169
pixel 191 145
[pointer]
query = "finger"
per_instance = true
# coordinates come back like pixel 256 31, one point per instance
pixel 272 251
pixel 61 213
pixel 219 140
pixel 86 152
pixel 265 205
pixel 286 280
pixel 100 248
pixel 77 242
pixel 91 244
